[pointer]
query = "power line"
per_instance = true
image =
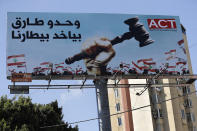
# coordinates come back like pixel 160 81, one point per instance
pixel 119 112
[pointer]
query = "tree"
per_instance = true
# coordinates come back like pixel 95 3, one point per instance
pixel 23 115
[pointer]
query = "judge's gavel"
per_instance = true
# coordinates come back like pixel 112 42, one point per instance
pixel 136 30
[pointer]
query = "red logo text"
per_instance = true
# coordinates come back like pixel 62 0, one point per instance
pixel 161 23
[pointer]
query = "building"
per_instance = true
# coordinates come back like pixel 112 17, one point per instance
pixel 179 114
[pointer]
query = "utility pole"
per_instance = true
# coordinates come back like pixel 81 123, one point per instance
pixel 103 105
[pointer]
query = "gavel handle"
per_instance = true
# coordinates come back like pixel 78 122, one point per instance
pixel 119 39
pixel 83 54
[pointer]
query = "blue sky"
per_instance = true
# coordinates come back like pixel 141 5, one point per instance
pixel 81 104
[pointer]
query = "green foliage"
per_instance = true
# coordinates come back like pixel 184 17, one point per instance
pixel 23 115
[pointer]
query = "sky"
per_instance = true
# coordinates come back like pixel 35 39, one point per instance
pixel 81 104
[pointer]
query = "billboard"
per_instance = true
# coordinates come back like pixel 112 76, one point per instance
pixel 93 44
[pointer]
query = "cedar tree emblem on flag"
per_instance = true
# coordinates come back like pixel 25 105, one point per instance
pixel 16 60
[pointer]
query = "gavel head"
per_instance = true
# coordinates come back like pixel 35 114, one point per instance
pixel 138 31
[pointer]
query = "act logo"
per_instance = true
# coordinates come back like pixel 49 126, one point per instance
pixel 161 23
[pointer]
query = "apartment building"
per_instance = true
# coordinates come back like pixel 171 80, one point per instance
pixel 178 114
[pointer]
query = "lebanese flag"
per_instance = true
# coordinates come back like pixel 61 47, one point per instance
pixel 180 42
pixel 36 68
pixel 44 66
pixel 150 66
pixel 171 66
pixel 144 67
pixel 60 65
pixel 21 66
pixel 149 63
pixel 181 62
pixel 140 68
pixel 45 63
pixel 171 51
pixel 144 60
pixel 16 60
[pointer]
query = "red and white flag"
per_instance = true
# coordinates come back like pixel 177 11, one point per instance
pixel 181 62
pixel 45 63
pixel 125 67
pixel 171 51
pixel 149 63
pixel 37 68
pixel 144 60
pixel 45 66
pixel 60 65
pixel 172 67
pixel 21 66
pixel 138 67
pixel 181 45
pixel 16 60
pixel 180 42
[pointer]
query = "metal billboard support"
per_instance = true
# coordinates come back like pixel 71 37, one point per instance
pixel 103 104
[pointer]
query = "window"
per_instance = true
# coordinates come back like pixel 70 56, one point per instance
pixel 188 103
pixel 118 107
pixel 156 81
pixel 158 127
pixel 116 93
pixel 157 113
pixel 188 117
pixel 186 90
pixel 155 98
pixel 191 117
pixel 160 114
pixel 194 128
pixel 119 121
pixel 182 114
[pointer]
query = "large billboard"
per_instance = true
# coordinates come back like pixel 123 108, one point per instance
pixel 93 44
